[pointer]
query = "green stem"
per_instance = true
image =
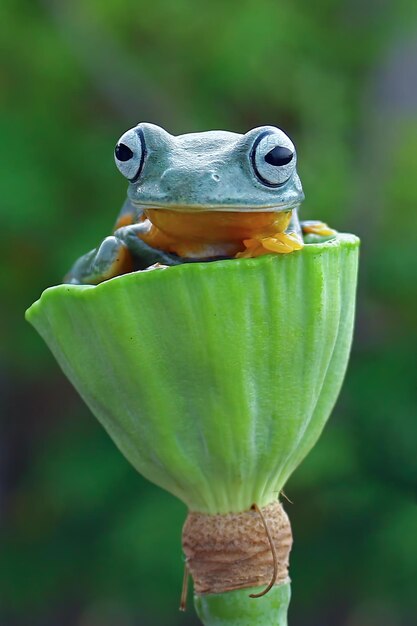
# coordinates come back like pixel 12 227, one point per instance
pixel 236 608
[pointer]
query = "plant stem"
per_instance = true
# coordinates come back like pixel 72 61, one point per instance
pixel 236 608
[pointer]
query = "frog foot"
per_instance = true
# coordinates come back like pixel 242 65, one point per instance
pixel 280 243
pixel 110 259
pixel 315 227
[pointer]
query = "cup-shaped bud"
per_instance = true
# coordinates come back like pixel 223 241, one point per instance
pixel 213 379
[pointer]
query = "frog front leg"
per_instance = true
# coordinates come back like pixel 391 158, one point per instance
pixel 120 253
pixel 143 254
pixel 111 258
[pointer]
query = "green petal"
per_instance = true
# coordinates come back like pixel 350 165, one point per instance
pixel 214 379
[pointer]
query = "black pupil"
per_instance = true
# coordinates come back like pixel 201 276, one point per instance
pixel 123 152
pixel 279 156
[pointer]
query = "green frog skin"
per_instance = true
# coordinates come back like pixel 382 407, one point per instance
pixel 200 197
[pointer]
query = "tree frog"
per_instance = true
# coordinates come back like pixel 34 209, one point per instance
pixel 200 197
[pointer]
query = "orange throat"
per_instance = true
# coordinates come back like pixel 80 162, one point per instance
pixel 205 234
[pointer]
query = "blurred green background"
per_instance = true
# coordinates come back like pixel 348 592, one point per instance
pixel 85 541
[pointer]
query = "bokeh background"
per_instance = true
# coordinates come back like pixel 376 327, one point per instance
pixel 85 541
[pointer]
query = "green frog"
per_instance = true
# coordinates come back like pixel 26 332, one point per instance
pixel 201 197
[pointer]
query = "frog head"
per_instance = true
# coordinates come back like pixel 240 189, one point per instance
pixel 210 171
pixel 206 193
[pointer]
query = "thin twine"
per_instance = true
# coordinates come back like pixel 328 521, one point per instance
pixel 184 592
pixel 286 497
pixel 274 555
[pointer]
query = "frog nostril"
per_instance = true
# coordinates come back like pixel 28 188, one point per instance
pixel 215 177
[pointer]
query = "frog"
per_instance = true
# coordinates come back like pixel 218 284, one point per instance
pixel 200 197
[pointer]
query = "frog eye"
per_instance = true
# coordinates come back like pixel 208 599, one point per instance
pixel 129 153
pixel 273 158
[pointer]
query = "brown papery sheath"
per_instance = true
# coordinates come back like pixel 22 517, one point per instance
pixel 233 551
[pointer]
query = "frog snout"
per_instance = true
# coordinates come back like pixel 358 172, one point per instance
pixel 186 182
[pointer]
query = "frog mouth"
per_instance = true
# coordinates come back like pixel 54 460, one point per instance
pixel 218 208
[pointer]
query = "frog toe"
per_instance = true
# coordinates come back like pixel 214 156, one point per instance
pixel 315 231
pixel 280 243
